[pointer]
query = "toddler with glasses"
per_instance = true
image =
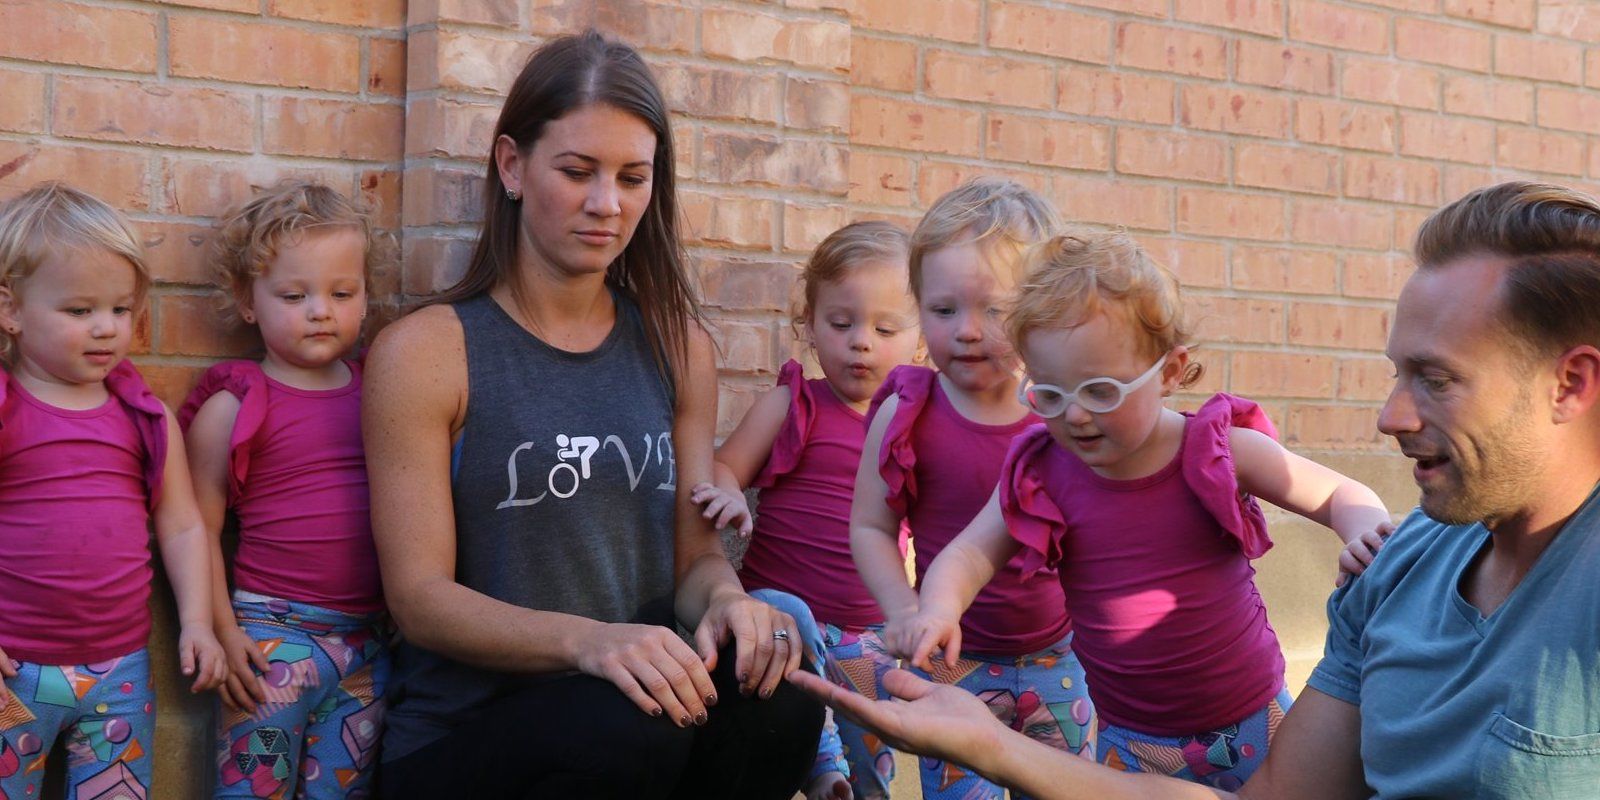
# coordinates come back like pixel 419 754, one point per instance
pixel 1147 514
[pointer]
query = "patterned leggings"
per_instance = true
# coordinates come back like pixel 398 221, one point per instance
pixel 317 733
pixel 1041 695
pixel 1224 758
pixel 107 711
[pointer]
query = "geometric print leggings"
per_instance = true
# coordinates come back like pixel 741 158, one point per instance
pixel 105 709
pixel 317 734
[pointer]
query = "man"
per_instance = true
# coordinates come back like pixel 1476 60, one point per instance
pixel 1465 662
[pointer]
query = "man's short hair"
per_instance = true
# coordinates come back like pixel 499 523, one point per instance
pixel 1551 236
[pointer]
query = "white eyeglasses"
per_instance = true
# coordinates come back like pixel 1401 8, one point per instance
pixel 1095 395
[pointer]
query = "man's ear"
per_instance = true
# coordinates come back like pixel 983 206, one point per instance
pixel 1577 383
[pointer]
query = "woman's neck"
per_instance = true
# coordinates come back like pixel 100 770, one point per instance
pixel 573 313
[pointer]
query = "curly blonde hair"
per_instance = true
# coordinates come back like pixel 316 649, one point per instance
pixel 999 215
pixel 250 235
pixel 850 247
pixel 1074 276
pixel 53 217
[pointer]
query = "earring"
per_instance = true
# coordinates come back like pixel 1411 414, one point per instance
pixel 248 317
pixel 512 195
pixel 12 329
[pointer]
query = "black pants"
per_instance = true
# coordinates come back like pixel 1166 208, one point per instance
pixel 578 737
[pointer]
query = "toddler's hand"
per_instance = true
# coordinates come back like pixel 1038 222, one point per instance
pixel 8 668
pixel 829 786
pixel 723 508
pixel 916 637
pixel 1358 554
pixel 200 655
pixel 246 664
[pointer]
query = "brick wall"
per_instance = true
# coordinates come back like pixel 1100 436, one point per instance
pixel 1278 154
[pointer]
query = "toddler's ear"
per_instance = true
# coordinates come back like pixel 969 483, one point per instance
pixel 8 311
pixel 1175 370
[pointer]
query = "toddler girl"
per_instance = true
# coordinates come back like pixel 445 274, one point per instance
pixel 1148 514
pixel 88 458
pixel 278 442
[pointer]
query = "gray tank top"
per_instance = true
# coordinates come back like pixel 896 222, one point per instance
pixel 564 484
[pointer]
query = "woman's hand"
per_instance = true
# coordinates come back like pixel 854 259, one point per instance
pixel 200 655
pixel 761 658
pixel 723 508
pixel 243 689
pixel 654 668
pixel 916 637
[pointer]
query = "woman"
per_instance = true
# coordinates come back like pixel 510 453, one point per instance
pixel 531 442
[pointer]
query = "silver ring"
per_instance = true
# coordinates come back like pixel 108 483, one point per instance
pixel 781 634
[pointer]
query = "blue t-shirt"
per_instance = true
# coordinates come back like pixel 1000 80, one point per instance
pixel 1461 706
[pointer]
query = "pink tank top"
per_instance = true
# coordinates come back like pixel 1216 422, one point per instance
pixel 297 481
pixel 940 469
pixel 76 490
pixel 1171 631
pixel 801 543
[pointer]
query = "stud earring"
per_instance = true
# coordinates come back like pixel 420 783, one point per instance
pixel 248 317
pixel 512 195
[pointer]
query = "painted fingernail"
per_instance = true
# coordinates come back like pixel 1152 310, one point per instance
pixel 744 676
pixel 711 699
pixel 684 720
pixel 766 694
pixel 655 713
pixel 700 718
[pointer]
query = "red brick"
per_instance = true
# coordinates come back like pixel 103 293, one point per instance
pixel 1569 110
pixel 745 347
pixel 1540 151
pixel 169 383
pixel 1448 138
pixel 935 178
pixel 118 177
pixel 722 92
pixel 819 105
pixel 1570 19
pixel 744 36
pixel 1507 13
pixel 82 35
pixel 1230 214
pixel 178 252
pixel 887 122
pixel 1256 16
pixel 1407 221
pixel 1117 202
pixel 368 14
pixel 128 111
pixel 438 126
pixel 883 63
pixel 1145 8
pixel 1592 69
pixel 432 264
pixel 1242 111
pixel 1344 27
pixel 1442 43
pixel 381 189
pixel 805 226
pixel 439 195
pixel 190 325
pixel 1488 97
pixel 736 283
pixel 1538 59
pixel 1196 263
pixel 1236 319
pixel 333 129
pixel 1294 169
pixel 1365 378
pixel 1458 180
pixel 1344 327
pixel 207 188
pixel 253 52
pixel 1391 82
pixel 244 6
pixel 1119 95
pixel 1170 154
pixel 1396 180
pixel 650 25
pixel 1332 223
pixel 1344 124
pixel 1282 66
pixel 466 62
pixel 736 158
pixel 1040 140
pixel 1375 275
pixel 1035 29
pixel 989 79
pixel 1164 49
pixel 386 67
pixel 1423 6
pixel 22 101
pixel 1334 427
pixel 955 20
pixel 1274 269
pixel 490 13
pixel 724 219
pixel 1274 374
pixel 1594 162
pixel 732 404
pixel 879 179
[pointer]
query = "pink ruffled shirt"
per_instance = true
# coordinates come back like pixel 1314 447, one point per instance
pixel 940 469
pixel 76 491
pixel 1171 631
pixel 297 481
pixel 801 543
